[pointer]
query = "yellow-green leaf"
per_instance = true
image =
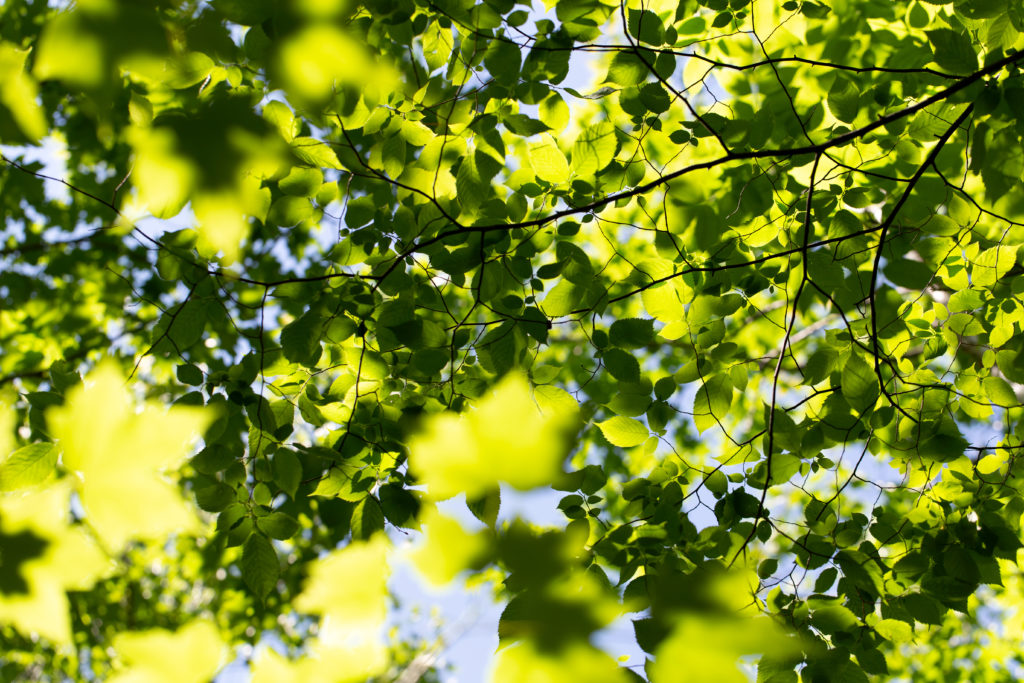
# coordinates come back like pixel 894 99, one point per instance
pixel 999 391
pixel 548 162
pixel 48 557
pixel 895 630
pixel 18 93
pixel 160 656
pixel 121 457
pixel 624 432
pixel 359 601
pixel 28 466
pixel 991 463
pixel 578 661
pixel 993 264
pixel 503 438
pixel 594 149
pixel 447 549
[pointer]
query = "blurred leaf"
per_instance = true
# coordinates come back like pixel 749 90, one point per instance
pixel 121 456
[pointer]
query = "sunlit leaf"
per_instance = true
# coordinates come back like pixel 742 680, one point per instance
pixel 45 557
pixel 548 162
pixel 121 458
pixel 157 655
pixel 350 585
pixel 28 466
pixel 624 432
pixel 524 661
pixel 711 647
pixel 448 549
pixel 18 92
pixel 504 438
pixel 594 149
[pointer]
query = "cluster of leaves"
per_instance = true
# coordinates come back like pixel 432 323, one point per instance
pixel 752 301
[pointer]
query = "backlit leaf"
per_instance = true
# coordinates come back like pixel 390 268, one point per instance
pixel 28 466
pixel 548 162
pixel 624 432
pixel 447 550
pixel 155 656
pixel 594 149
pixel 504 438
pixel 359 601
pixel 121 456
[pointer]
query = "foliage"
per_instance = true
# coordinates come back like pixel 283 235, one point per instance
pixel 751 301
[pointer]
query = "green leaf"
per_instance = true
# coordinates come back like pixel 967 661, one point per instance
pixel 712 401
pixel 859 384
pixel 300 339
pixel 833 619
pixel 399 506
pixel 825 580
pixel 287 470
pixel 189 374
pixel 941 225
pixel 289 211
pixel 622 366
pixel 278 525
pixel 523 125
pixel 990 464
pixel 259 565
pixel 844 100
pixel 28 466
pixel 626 69
pixel 895 630
pixel 503 60
pixel 213 459
pixel 394 157
pixel 554 112
pixel 359 212
pixel 416 133
pixel 631 333
pixel 993 264
pixel 214 496
pixel 923 608
pixel 918 16
pixel 645 26
pixel 624 432
pixel 185 324
pixel 999 391
pixel 564 298
pixel 958 563
pixel 345 479
pixel 302 182
pixel 245 12
pixel 953 51
pixel 367 518
pixel 486 507
pixel 313 152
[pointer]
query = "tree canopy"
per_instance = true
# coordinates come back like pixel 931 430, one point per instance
pixel 740 279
